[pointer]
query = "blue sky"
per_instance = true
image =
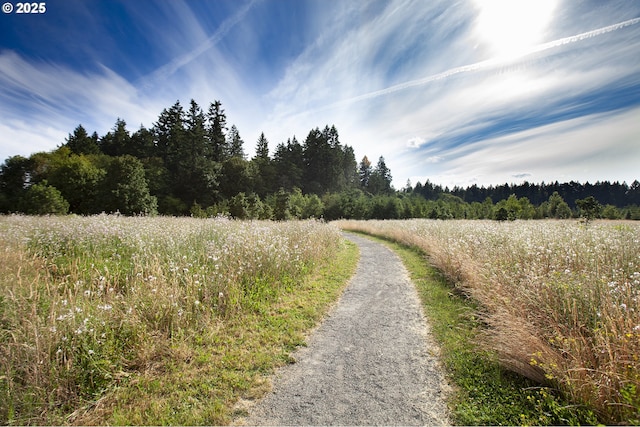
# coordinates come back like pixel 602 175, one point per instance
pixel 460 93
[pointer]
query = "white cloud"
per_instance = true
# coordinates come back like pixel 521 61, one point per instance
pixel 44 101
pixel 197 40
pixel 595 147
pixel 20 137
pixel 434 159
pixel 415 142
pixel 402 79
pixel 346 78
pixel 59 98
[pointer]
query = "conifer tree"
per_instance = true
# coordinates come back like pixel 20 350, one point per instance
pixel 364 172
pixel 289 164
pixel 265 178
pixel 217 126
pixel 118 141
pixel 81 143
pixel 169 133
pixel 262 148
pixel 380 179
pixel 142 144
pixel 235 143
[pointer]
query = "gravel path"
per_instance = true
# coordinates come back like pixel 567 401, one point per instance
pixel 371 362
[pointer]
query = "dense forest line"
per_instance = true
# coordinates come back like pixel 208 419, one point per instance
pixel 190 163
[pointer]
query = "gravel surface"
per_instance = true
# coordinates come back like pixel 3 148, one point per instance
pixel 371 361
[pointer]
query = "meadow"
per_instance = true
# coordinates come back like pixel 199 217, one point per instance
pixel 559 300
pixel 153 320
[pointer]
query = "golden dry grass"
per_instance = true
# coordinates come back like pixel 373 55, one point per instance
pixel 89 305
pixel 561 300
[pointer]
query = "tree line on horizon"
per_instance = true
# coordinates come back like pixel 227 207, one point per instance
pixel 190 163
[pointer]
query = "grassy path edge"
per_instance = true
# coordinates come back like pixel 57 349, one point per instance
pixel 484 393
pixel 211 377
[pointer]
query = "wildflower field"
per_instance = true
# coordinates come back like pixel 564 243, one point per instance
pixel 560 300
pixel 151 320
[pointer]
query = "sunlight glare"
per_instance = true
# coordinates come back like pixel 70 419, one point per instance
pixel 509 28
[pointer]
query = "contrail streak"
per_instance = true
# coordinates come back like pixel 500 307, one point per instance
pixel 489 63
pixel 173 66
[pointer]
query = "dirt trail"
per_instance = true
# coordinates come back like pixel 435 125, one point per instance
pixel 371 362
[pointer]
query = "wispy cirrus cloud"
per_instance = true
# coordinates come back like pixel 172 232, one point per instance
pixel 576 149
pixel 51 97
pixel 416 119
pixel 203 42
pixel 44 100
pixel 427 85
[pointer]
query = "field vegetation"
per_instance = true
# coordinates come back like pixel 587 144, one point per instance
pixel 111 319
pixel 558 301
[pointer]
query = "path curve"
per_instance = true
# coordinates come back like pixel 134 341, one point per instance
pixel 371 362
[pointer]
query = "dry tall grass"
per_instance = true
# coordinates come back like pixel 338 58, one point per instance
pixel 86 301
pixel 562 301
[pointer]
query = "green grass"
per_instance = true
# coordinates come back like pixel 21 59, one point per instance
pixel 483 392
pixel 201 378
pixel 152 320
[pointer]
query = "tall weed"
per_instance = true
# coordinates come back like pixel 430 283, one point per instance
pixel 561 300
pixel 87 301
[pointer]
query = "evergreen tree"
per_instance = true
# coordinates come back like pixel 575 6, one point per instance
pixel 335 173
pixel 282 209
pixel 217 122
pixel 350 168
pixel 235 143
pixel 265 169
pixel 118 141
pixel 14 179
pixel 255 207
pixel 183 144
pixel 197 175
pixel 81 143
pixel 235 177
pixel 633 193
pixel 169 134
pixel 590 208
pixel 380 179
pixel 196 135
pixel 262 148
pixel 364 172
pixel 125 188
pixel 142 144
pixel 317 159
pixel 289 165
pixel 238 206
